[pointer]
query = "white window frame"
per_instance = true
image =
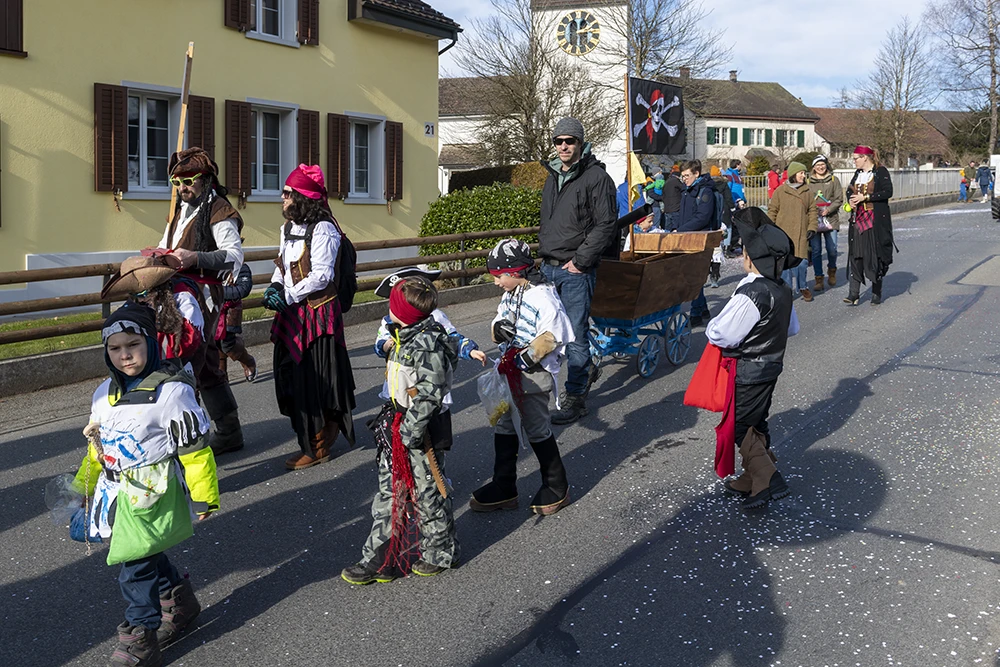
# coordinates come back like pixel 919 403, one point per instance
pixel 287 150
pixel 287 23
pixel 376 159
pixel 173 97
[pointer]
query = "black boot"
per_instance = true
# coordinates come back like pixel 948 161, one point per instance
pixel 876 292
pixel 137 647
pixel 554 494
pixel 573 408
pixel 177 610
pixel 220 404
pixel 714 273
pixel 501 493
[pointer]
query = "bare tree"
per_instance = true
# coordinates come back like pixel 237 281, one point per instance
pixel 900 81
pixel 970 70
pixel 843 99
pixel 527 86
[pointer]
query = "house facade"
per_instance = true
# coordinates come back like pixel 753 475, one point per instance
pixel 92 107
pixel 841 130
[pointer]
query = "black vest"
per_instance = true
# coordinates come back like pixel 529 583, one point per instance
pixel 762 352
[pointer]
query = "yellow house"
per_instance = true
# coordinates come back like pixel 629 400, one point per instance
pixel 91 106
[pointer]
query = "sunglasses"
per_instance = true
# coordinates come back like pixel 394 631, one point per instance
pixel 569 141
pixel 286 194
pixel 187 180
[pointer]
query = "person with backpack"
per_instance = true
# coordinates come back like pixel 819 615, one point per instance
pixel 794 210
pixel 700 212
pixel 724 205
pixel 313 285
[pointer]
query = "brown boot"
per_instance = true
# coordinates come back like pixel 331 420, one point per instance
pixel 137 647
pixel 321 444
pixel 178 609
pixel 806 294
pixel 741 486
pixel 831 276
pixel 766 483
pixel 239 353
pixel 819 284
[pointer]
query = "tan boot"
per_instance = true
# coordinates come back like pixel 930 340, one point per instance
pixel 819 284
pixel 766 483
pixel 806 294
pixel 741 485
pixel 831 276
pixel 239 353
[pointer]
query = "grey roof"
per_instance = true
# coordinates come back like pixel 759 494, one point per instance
pixel 417 10
pixel 943 121
pixel 463 96
pixel 715 98
pixel 462 156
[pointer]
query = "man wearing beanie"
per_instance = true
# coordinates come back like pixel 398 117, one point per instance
pixel 204 239
pixel 793 209
pixel 578 223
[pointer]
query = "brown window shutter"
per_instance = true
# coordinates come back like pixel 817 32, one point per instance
pixel 110 138
pixel 12 27
pixel 338 147
pixel 238 15
pixel 308 137
pixel 393 161
pixel 309 22
pixel 238 148
pixel 201 123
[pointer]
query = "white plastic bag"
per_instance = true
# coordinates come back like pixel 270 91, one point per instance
pixel 494 394
pixel 62 499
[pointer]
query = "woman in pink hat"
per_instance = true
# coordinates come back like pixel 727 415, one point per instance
pixel 869 237
pixel 313 381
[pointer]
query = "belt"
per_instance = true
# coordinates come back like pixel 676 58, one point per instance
pixel 112 475
pixel 555 262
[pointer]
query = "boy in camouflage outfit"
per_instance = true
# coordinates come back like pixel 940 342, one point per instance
pixel 413 523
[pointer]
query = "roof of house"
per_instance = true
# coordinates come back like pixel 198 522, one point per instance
pixel 463 96
pixel 462 156
pixel 725 98
pixel 848 127
pixel 573 4
pixel 417 10
pixel 943 121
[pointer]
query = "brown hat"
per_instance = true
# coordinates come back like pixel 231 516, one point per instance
pixel 138 274
pixel 192 160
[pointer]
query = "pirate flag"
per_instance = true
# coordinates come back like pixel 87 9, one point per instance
pixel 656 113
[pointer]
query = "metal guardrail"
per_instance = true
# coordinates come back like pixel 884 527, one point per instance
pixel 108 269
pixel 906 183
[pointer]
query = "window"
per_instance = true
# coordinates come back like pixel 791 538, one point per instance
pixel 274 21
pixel 360 151
pixel 150 128
pixel 271 145
pixel 759 138
pixel 366 160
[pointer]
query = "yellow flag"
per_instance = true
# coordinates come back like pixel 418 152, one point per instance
pixel 637 179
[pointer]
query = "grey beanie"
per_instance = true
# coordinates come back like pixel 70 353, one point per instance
pixel 569 127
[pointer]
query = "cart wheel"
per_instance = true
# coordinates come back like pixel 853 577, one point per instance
pixel 678 338
pixel 649 355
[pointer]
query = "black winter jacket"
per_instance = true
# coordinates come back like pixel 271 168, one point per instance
pixel 578 222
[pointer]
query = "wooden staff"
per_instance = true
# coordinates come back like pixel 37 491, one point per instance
pixel 182 125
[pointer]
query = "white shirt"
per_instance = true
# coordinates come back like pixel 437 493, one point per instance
pixel 541 311
pixel 733 324
pixel 225 233
pixel 322 260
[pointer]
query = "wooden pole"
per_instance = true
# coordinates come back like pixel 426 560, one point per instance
pixel 182 125
pixel 628 162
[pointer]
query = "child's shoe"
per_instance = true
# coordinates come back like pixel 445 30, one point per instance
pixel 137 647
pixel 425 569
pixel 364 573
pixel 179 608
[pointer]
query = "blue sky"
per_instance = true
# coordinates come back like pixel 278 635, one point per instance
pixel 775 40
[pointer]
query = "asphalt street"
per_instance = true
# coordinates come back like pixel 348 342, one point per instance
pixel 885 424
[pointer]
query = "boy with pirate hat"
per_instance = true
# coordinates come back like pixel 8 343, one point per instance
pixel 532 330
pixel 754 328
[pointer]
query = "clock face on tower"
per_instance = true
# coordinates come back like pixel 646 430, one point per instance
pixel 578 33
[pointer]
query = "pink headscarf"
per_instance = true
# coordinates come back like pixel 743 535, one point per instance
pixel 307 180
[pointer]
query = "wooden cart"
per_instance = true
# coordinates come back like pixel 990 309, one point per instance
pixel 638 301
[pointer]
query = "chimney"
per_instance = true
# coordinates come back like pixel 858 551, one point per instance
pixel 685 72
pixel 732 75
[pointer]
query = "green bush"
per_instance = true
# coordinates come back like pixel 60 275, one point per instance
pixel 806 158
pixel 481 209
pixel 759 165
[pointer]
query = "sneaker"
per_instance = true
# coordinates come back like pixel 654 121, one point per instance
pixel 700 320
pixel 363 573
pixel 424 569
pixel 573 409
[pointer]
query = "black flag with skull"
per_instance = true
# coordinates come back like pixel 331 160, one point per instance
pixel 656 114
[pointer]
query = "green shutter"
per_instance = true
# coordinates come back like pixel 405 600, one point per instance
pixel 779 138
pixel 768 134
pixel 711 135
pixel 800 140
pixel 734 137
pixel 747 136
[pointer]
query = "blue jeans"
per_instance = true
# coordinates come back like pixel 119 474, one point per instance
pixel 576 290
pixel 699 307
pixel 143 583
pixel 963 192
pixel 816 244
pixel 798 274
pixel 670 221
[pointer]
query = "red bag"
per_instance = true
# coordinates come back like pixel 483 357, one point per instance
pixel 709 383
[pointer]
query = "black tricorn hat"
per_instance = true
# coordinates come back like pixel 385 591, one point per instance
pixel 385 287
pixel 768 246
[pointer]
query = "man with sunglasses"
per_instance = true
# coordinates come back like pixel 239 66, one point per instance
pixel 203 238
pixel 578 223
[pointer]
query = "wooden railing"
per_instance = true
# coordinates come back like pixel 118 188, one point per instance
pixel 107 270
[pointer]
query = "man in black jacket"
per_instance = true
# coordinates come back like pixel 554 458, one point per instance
pixel 578 223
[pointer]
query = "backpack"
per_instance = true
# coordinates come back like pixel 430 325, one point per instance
pixel 345 274
pixel 720 209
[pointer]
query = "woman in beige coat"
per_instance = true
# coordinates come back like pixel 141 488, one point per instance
pixel 793 209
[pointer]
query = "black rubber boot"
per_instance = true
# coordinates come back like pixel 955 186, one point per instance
pixel 573 408
pixel 220 404
pixel 554 494
pixel 501 493
pixel 137 647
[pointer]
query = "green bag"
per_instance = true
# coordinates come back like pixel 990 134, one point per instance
pixel 149 518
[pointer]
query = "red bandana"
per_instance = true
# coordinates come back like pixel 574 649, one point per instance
pixel 863 150
pixel 307 180
pixel 401 308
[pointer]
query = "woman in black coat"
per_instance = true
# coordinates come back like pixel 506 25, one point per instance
pixel 869 238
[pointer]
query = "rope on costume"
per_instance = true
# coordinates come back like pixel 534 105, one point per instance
pixel 404 543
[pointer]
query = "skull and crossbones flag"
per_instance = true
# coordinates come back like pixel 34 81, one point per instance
pixel 656 116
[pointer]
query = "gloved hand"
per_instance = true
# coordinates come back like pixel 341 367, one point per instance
pixel 274 298
pixel 810 234
pixel 79 525
pixel 503 331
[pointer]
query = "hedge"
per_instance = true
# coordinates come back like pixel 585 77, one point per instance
pixel 483 208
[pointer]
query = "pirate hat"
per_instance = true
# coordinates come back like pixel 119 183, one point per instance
pixel 384 288
pixel 769 248
pixel 138 274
